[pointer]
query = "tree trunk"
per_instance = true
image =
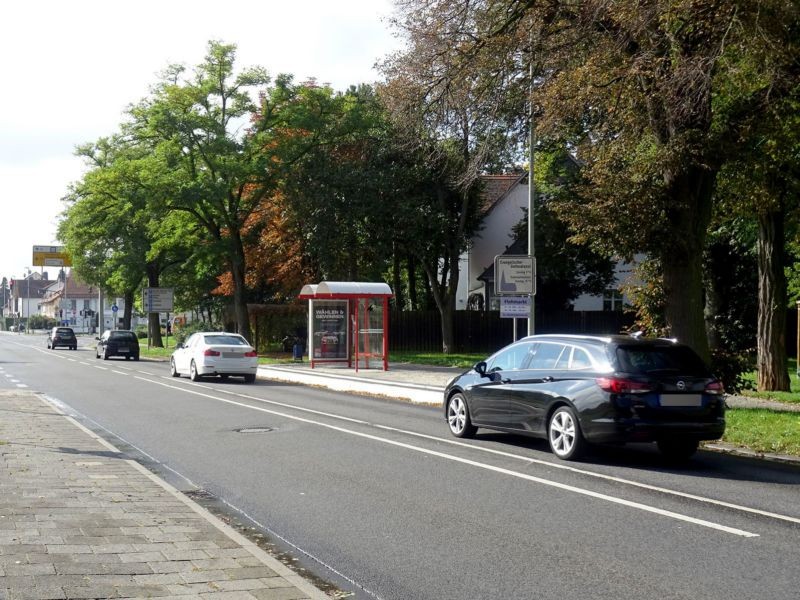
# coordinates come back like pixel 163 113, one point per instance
pixel 238 270
pixel 153 322
pixel 128 312
pixel 445 303
pixel 771 336
pixel 412 283
pixel 683 290
pixel 448 332
pixel 397 286
pixel 689 213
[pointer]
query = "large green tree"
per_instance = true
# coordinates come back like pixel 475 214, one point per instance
pixel 633 87
pixel 193 123
pixel 227 139
pixel 115 235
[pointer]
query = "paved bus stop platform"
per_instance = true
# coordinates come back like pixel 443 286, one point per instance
pixel 417 383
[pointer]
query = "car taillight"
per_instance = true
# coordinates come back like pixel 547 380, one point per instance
pixel 210 352
pixel 251 354
pixel 715 388
pixel 617 385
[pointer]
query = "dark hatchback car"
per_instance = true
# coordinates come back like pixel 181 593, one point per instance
pixel 62 336
pixel 120 342
pixel 577 390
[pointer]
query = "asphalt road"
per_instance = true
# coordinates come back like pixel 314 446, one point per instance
pixel 375 495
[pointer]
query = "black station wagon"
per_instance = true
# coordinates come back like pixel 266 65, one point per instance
pixel 577 390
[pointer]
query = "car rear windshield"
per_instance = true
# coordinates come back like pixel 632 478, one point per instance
pixel 127 336
pixel 64 331
pixel 225 340
pixel 661 360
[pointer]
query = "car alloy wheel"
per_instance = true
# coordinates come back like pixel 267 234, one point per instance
pixel 458 417
pixel 249 378
pixel 564 434
pixel 193 374
pixel 173 370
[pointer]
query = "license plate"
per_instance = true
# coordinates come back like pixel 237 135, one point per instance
pixel 123 350
pixel 232 355
pixel 681 400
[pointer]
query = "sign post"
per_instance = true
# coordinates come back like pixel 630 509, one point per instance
pixel 515 283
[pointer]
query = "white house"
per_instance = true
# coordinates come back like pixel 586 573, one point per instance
pixel 504 199
pixel 504 206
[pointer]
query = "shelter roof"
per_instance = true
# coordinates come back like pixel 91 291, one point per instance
pixel 346 289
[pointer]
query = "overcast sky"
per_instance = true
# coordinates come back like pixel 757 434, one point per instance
pixel 71 68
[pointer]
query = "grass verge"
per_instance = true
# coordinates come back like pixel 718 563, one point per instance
pixel 763 430
pixel 791 396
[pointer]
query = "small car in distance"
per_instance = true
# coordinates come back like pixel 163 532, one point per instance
pixel 207 353
pixel 575 390
pixel 118 342
pixel 62 336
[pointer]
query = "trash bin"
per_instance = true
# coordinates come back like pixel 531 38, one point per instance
pixel 297 352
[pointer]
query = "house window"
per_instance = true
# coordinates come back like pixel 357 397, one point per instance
pixel 612 300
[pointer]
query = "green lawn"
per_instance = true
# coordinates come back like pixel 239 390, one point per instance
pixel 792 396
pixel 763 430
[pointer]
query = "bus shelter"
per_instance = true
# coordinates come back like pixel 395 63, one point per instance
pixel 348 322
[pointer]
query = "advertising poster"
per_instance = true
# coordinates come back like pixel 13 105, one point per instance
pixel 329 324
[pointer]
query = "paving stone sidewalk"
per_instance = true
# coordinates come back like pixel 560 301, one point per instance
pixel 78 520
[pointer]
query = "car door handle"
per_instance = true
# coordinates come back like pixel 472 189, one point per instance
pixel 547 379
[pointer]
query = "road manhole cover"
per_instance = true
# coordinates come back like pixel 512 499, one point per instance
pixel 253 430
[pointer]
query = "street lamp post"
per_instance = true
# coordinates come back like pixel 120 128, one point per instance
pixel 28 301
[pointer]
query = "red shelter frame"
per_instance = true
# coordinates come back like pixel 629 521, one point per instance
pixel 353 292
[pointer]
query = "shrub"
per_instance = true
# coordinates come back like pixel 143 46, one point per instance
pixel 731 367
pixel 181 333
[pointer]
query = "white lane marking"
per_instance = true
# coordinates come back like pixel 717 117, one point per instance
pixel 473 463
pixel 526 459
pixel 101 368
pixel 531 460
pixel 21 385
pixel 120 372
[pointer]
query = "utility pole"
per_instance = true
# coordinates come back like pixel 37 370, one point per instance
pixel 531 190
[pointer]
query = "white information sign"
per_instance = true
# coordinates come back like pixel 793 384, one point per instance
pixel 514 275
pixel 157 299
pixel 515 307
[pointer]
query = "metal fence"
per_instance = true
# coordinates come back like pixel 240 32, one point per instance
pixel 477 331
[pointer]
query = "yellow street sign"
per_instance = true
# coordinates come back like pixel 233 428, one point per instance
pixel 50 256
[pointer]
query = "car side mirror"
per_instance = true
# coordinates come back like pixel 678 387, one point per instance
pixel 480 368
pixel 179 345
pixel 97 338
